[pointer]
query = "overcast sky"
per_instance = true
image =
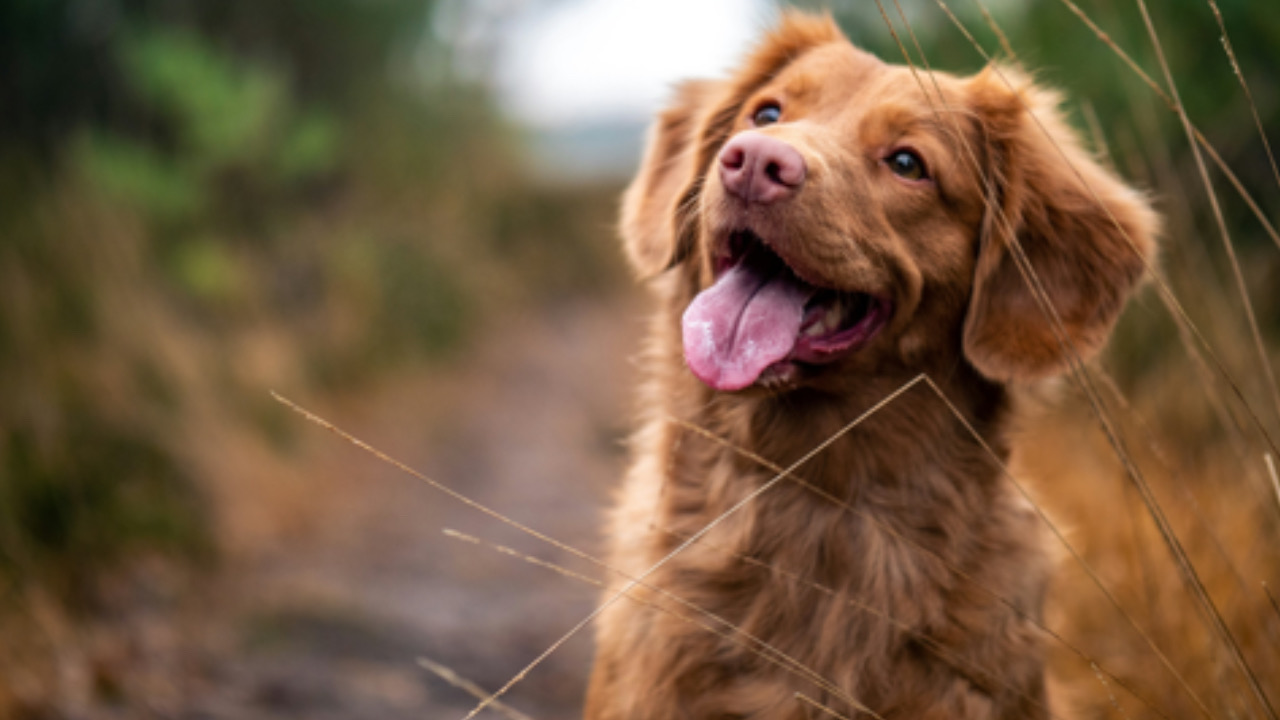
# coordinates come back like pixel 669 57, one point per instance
pixel 577 61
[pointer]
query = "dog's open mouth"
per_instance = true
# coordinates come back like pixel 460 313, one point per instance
pixel 759 318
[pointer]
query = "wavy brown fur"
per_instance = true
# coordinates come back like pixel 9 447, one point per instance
pixel 908 575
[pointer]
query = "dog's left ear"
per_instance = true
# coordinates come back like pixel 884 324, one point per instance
pixel 1086 236
pixel 651 217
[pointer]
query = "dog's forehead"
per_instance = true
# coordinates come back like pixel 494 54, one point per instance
pixel 840 75
pixel 833 69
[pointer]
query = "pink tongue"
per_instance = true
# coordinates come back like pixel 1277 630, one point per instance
pixel 741 325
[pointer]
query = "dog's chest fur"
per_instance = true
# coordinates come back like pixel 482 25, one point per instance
pixel 891 570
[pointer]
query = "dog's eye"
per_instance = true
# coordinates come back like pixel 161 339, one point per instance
pixel 767 114
pixel 906 164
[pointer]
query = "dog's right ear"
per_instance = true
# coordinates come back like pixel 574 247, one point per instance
pixel 651 216
pixel 1060 217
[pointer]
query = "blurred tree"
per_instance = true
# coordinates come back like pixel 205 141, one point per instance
pixel 181 176
pixel 214 129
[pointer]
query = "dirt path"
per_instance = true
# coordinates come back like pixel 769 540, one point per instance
pixel 333 618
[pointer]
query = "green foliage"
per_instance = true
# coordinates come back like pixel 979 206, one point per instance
pixel 205 269
pixel 223 116
pixel 139 176
pixel 309 150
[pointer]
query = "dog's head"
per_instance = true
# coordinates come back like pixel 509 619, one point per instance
pixel 832 214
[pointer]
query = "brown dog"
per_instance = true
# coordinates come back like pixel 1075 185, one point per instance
pixel 823 228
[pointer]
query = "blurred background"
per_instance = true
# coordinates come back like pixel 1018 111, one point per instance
pixel 399 214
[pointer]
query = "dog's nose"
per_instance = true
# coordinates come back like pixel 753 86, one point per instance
pixel 761 169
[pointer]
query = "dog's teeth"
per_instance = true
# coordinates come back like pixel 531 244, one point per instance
pixel 828 322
